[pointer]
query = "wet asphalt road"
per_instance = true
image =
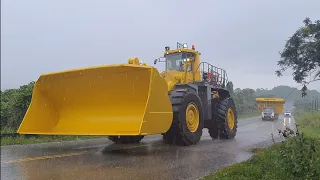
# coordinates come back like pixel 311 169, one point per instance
pixel 152 159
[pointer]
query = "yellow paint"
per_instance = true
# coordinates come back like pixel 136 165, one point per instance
pixel 133 61
pixel 215 94
pixel 122 99
pixel 230 118
pixel 68 155
pixel 192 117
pixel 174 77
pixel 276 103
pixel 43 157
pixel 105 100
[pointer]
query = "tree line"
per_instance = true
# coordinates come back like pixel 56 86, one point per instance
pixel 15 102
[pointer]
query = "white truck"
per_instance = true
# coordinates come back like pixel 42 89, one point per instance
pixel 268 113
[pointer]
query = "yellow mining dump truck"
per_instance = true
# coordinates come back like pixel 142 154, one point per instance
pixel 270 108
pixel 129 101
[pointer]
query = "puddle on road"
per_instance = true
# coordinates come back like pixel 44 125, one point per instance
pixel 146 160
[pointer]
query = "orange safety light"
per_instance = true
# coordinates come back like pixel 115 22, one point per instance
pixel 193 47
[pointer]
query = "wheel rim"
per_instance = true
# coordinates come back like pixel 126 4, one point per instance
pixel 192 117
pixel 230 118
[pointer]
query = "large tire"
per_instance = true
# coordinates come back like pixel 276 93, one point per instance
pixel 125 139
pixel 180 133
pixel 220 127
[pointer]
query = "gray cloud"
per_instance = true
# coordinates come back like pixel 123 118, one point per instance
pixel 243 37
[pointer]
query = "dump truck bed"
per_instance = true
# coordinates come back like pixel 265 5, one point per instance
pixel 276 103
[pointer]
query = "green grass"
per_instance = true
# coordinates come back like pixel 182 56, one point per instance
pixel 7 130
pixel 41 139
pixel 297 158
pixel 270 164
pixel 308 123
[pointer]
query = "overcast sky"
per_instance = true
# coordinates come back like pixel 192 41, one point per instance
pixel 244 37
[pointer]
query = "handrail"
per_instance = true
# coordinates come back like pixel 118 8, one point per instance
pixel 221 78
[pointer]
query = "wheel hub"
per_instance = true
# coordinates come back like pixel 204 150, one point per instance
pixel 192 117
pixel 230 118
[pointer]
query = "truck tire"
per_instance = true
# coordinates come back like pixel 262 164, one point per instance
pixel 225 122
pixel 125 139
pixel 188 122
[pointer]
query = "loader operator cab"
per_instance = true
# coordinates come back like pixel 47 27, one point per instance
pixel 176 61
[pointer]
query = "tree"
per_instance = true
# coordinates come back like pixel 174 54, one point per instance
pixel 230 87
pixel 14 104
pixel 302 53
pixel 245 100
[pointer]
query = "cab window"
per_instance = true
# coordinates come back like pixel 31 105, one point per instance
pixel 176 61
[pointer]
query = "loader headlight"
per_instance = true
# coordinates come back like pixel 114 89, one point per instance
pixel 185 45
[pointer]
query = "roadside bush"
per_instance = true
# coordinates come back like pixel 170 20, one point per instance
pixel 299 157
pixel 14 104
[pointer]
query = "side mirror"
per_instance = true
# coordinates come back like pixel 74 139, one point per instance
pixel 158 60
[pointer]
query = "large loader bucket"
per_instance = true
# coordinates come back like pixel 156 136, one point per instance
pixel 104 100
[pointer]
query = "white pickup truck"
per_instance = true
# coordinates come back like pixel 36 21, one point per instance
pixel 287 114
pixel 268 113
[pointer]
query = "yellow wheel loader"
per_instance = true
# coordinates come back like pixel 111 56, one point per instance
pixel 129 101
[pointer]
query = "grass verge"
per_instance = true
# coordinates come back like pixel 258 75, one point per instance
pixel 296 158
pixel 308 123
pixel 40 139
